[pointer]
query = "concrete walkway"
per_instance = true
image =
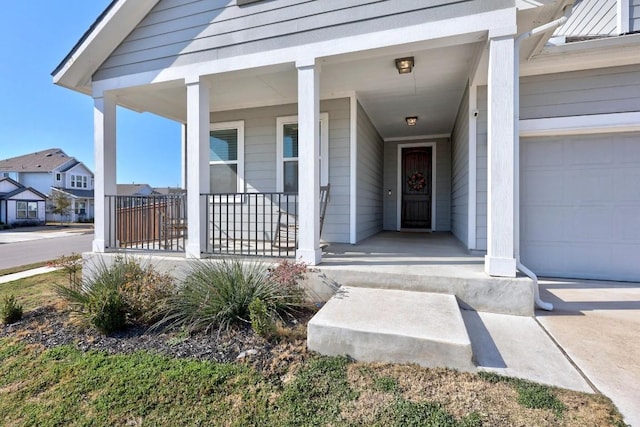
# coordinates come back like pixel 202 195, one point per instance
pixel 28 273
pixel 27 234
pixel 597 324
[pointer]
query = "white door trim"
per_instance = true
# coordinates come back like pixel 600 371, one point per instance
pixel 400 179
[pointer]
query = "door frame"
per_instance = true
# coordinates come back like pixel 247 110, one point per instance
pixel 400 179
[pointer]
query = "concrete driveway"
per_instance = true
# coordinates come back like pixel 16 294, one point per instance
pixel 597 324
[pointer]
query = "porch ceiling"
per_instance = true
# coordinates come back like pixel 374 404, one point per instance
pixel 432 91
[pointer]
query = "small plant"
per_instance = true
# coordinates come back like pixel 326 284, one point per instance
pixel 261 320
pixel 145 291
pixel 217 293
pixel 289 274
pixel 72 265
pixel 10 311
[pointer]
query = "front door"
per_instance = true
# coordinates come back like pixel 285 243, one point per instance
pixel 416 187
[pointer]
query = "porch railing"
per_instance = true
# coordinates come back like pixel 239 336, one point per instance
pixel 150 223
pixel 257 224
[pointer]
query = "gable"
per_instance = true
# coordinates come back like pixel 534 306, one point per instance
pixel 25 194
pixel 7 185
pixel 184 32
pixel 79 169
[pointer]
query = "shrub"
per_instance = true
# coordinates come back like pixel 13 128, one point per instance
pixel 261 320
pixel 72 265
pixel 217 293
pixel 10 311
pixel 113 294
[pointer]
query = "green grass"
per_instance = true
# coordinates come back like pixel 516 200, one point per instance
pixel 35 291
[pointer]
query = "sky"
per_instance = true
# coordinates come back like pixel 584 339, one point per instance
pixel 35 114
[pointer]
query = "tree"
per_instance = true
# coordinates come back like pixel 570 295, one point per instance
pixel 60 204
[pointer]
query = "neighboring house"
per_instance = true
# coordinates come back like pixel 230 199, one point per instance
pixel 169 190
pixel 51 171
pixel 134 190
pixel 20 204
pixel 410 110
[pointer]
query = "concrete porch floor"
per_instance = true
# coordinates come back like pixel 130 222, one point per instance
pixel 428 262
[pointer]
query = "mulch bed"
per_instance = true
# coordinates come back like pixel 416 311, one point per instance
pixel 50 327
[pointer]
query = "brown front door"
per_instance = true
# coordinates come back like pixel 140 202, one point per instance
pixel 416 187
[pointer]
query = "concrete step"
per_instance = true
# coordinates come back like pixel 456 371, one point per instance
pixel 382 325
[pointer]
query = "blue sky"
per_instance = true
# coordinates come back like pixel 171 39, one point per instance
pixel 35 35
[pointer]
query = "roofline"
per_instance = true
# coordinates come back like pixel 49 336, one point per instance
pixel 84 37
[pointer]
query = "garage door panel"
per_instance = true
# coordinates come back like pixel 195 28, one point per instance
pixel 580 206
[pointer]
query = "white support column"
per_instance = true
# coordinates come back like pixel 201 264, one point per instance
pixel 500 258
pixel 308 168
pixel 198 164
pixel 183 158
pixel 104 140
pixel 473 168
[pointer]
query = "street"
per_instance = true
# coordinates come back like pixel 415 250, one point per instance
pixel 21 251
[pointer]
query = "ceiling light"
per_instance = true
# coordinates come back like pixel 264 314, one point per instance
pixel 405 65
pixel 411 121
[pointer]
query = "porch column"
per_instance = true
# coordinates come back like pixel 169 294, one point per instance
pixel 198 164
pixel 104 140
pixel 500 260
pixel 308 168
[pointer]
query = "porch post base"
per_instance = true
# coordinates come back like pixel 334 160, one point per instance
pixel 98 245
pixel 193 251
pixel 309 256
pixel 499 267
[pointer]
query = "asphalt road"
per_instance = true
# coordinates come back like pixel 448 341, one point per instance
pixel 32 251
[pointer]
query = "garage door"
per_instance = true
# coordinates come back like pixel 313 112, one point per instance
pixel 580 206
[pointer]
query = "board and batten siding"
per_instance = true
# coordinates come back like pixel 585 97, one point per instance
pixel 184 32
pixel 597 91
pixel 260 156
pixel 369 177
pixel 443 183
pixel 591 18
pixel 460 172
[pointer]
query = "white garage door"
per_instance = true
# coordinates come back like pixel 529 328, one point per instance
pixel 580 206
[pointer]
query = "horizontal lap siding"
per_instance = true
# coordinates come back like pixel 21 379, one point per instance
pixel 460 173
pixel 369 177
pixel 599 91
pixel 182 32
pixel 260 156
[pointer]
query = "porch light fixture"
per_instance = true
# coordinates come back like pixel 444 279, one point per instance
pixel 405 65
pixel 411 121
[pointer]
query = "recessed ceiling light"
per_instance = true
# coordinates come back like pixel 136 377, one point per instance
pixel 411 121
pixel 405 65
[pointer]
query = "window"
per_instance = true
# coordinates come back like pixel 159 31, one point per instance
pixel 226 157
pixel 58 177
pixel 79 181
pixel 287 154
pixel 81 208
pixel 27 210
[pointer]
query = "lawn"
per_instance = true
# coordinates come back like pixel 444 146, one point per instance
pixel 62 385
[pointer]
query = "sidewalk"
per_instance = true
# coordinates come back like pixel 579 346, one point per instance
pixel 28 273
pixel 27 234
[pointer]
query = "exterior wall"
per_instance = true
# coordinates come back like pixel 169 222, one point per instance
pixel 598 91
pixel 460 172
pixel 443 183
pixel 481 170
pixel 41 181
pixel 11 208
pixel 591 18
pixel 634 15
pixel 184 32
pixel 78 169
pixel 369 180
pixel 260 156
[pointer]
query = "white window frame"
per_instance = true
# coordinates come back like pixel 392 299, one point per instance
pixel 79 179
pixel 26 210
pixel 239 127
pixel 324 149
pixel 58 177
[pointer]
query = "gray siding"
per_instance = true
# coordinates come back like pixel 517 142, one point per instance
pixel 634 16
pixel 369 177
pixel 443 183
pixel 180 32
pixel 599 91
pixel 481 170
pixel 460 173
pixel 260 156
pixel 591 18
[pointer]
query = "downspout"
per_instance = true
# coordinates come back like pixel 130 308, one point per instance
pixel 541 29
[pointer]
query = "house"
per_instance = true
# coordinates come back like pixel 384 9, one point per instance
pixel 425 115
pixel 134 190
pixel 50 171
pixel 20 204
